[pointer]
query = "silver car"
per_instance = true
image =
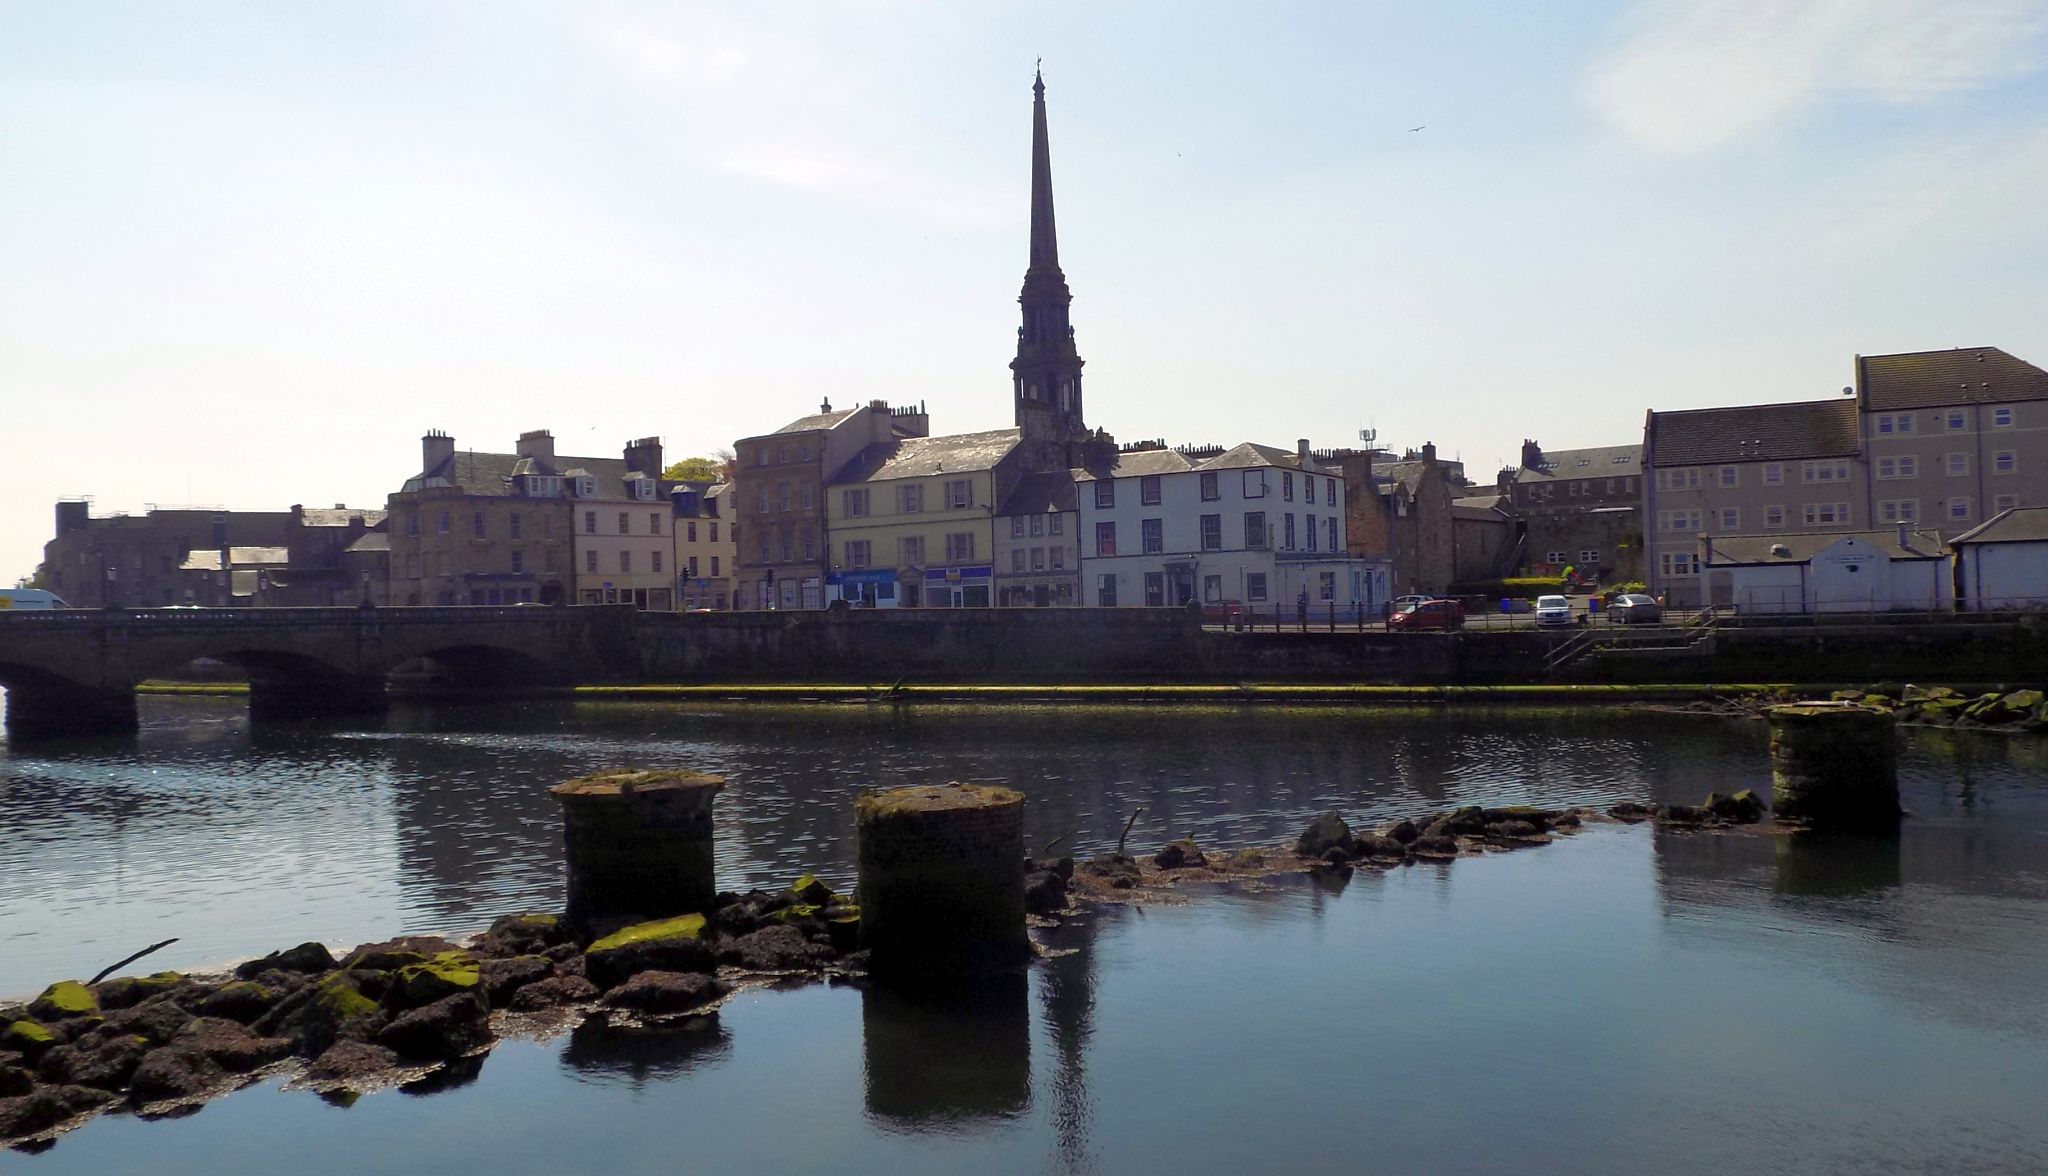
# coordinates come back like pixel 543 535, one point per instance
pixel 1553 611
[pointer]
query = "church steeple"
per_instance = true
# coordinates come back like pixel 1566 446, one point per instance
pixel 1047 371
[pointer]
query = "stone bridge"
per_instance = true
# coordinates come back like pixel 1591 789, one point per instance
pixel 75 671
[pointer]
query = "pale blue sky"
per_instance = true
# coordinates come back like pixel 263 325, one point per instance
pixel 248 253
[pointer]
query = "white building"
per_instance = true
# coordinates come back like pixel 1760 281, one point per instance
pixel 1254 524
pixel 1869 571
pixel 2004 562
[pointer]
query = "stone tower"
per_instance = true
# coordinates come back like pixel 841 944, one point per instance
pixel 1047 371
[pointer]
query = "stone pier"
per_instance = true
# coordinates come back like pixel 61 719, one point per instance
pixel 1834 765
pixel 942 880
pixel 638 843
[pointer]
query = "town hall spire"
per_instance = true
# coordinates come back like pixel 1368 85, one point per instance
pixel 1047 370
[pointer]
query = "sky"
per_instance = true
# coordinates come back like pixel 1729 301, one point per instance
pixel 249 253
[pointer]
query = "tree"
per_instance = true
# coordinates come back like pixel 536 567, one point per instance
pixel 695 469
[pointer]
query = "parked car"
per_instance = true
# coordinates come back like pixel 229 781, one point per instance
pixel 1222 611
pixel 1400 603
pixel 1428 614
pixel 1634 608
pixel 1553 611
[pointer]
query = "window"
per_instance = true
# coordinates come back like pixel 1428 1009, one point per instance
pixel 1825 514
pixel 714 532
pixel 512 522
pixel 1038 559
pixel 1286 486
pixel 855 503
pixel 1332 526
pixel 1105 537
pixel 1898 510
pixel 714 567
pixel 548 560
pixel 2005 461
pixel 1148 491
pixel 1774 516
pixel 1678 520
pixel 782 496
pixel 1105 494
pixel 1212 532
pixel 2005 502
pixel 1209 491
pixel 1589 555
pixel 1309 525
pixel 761 456
pixel 656 558
pixel 1255 530
pixel 1774 474
pixel 1731 518
pixel 2001 418
pixel 803 452
pixel 810 544
pixel 1038 525
pixel 1016 559
pixel 1059 558
pixel 1889 468
pixel 1686 479
pixel 1016 526
pixel 1152 533
pixel 960 493
pixel 1680 563
pixel 1289 545
pixel 1308 489
pixel 518 561
pixel 1056 525
pixel 782 455
pixel 442 523
pixel 476 524
pixel 959 546
pixel 590 522
pixel 1212 587
pixel 1255 586
pixel 1958 465
pixel 1330 492
pixel 1824 471
pixel 1959 508
pixel 857 553
pixel 912 499
pixel 1554 558
pixel 1155 589
pixel 412 523
pixel 1326 586
pixel 1953 420
pixel 654 523
pixel 691 532
pixel 1895 423
pixel 1255 483
pixel 625 561
pixel 910 551
pixel 590 561
pixel 761 502
pixel 806 498
pixel 692 565
pixel 1730 476
pixel 624 522
pixel 1105 590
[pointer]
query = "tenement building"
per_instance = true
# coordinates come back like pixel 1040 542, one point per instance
pixel 1579 508
pixel 138 561
pixel 1953 437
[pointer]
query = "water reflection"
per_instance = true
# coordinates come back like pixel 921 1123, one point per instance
pixel 1067 980
pixel 949 1059
pixel 602 1051
pixel 1837 865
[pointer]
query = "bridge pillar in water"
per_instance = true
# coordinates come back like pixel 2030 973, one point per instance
pixel 278 695
pixel 638 843
pixel 1834 765
pixel 46 711
pixel 942 880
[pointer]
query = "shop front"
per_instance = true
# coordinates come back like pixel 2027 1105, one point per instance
pixel 959 587
pixel 865 588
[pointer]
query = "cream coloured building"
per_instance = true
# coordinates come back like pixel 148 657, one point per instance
pixel 912 521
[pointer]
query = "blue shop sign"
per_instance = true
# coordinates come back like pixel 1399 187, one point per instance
pixel 863 577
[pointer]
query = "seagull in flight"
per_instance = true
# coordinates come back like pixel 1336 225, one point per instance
pixel 1412 130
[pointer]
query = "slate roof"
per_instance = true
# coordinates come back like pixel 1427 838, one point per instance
pixel 1041 494
pixel 372 541
pixel 2021 524
pixel 491 474
pixel 1932 379
pixel 924 457
pixel 817 420
pixel 1605 461
pixel 1142 463
pixel 1740 550
pixel 1756 432
pixel 1251 454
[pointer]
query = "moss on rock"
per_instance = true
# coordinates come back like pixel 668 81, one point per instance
pixel 680 927
pixel 444 974
pixel 27 1037
pixel 65 998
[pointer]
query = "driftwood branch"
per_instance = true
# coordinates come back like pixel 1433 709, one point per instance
pixel 1121 837
pixel 1047 847
pixel 112 968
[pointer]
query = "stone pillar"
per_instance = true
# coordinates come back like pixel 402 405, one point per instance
pixel 638 843
pixel 942 880
pixel 1834 764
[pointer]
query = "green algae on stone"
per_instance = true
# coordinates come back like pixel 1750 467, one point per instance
pixel 446 974
pixel 338 996
pixel 792 913
pixel 65 998
pixel 680 927
pixel 27 1036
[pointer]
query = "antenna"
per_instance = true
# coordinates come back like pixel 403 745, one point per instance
pixel 1369 436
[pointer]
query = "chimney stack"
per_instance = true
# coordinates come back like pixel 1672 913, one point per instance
pixel 644 456
pixel 1429 453
pixel 1532 455
pixel 1301 450
pixel 538 444
pixel 435 450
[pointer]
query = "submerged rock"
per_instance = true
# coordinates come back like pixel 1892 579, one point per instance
pixel 1743 808
pixel 1402 831
pixel 667 992
pixel 1327 832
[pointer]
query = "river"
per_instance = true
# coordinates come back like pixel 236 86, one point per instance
pixel 1627 1000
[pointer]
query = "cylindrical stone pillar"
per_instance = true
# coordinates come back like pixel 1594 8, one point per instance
pixel 1834 764
pixel 942 880
pixel 638 843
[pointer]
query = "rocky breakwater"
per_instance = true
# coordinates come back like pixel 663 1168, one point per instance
pixel 2018 711
pixel 409 1011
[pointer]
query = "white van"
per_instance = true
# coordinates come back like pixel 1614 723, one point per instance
pixel 29 600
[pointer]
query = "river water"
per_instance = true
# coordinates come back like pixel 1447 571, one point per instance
pixel 1624 1001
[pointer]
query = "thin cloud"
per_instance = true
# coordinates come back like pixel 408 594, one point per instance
pixel 1695 76
pixel 899 190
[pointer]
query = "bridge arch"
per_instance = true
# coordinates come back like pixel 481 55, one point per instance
pixel 42 703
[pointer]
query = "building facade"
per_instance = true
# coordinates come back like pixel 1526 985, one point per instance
pixel 1952 437
pixel 623 549
pixel 1037 543
pixel 704 545
pixel 912 521
pixel 483 528
pixel 138 561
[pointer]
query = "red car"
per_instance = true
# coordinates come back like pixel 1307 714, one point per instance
pixel 1429 614
pixel 1222 611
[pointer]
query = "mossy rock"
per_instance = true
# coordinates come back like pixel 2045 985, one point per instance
pixel 811 892
pixel 790 914
pixel 123 991
pixel 680 927
pixel 445 974
pixel 65 998
pixel 341 999
pixel 28 1038
pixel 2025 700
pixel 668 945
